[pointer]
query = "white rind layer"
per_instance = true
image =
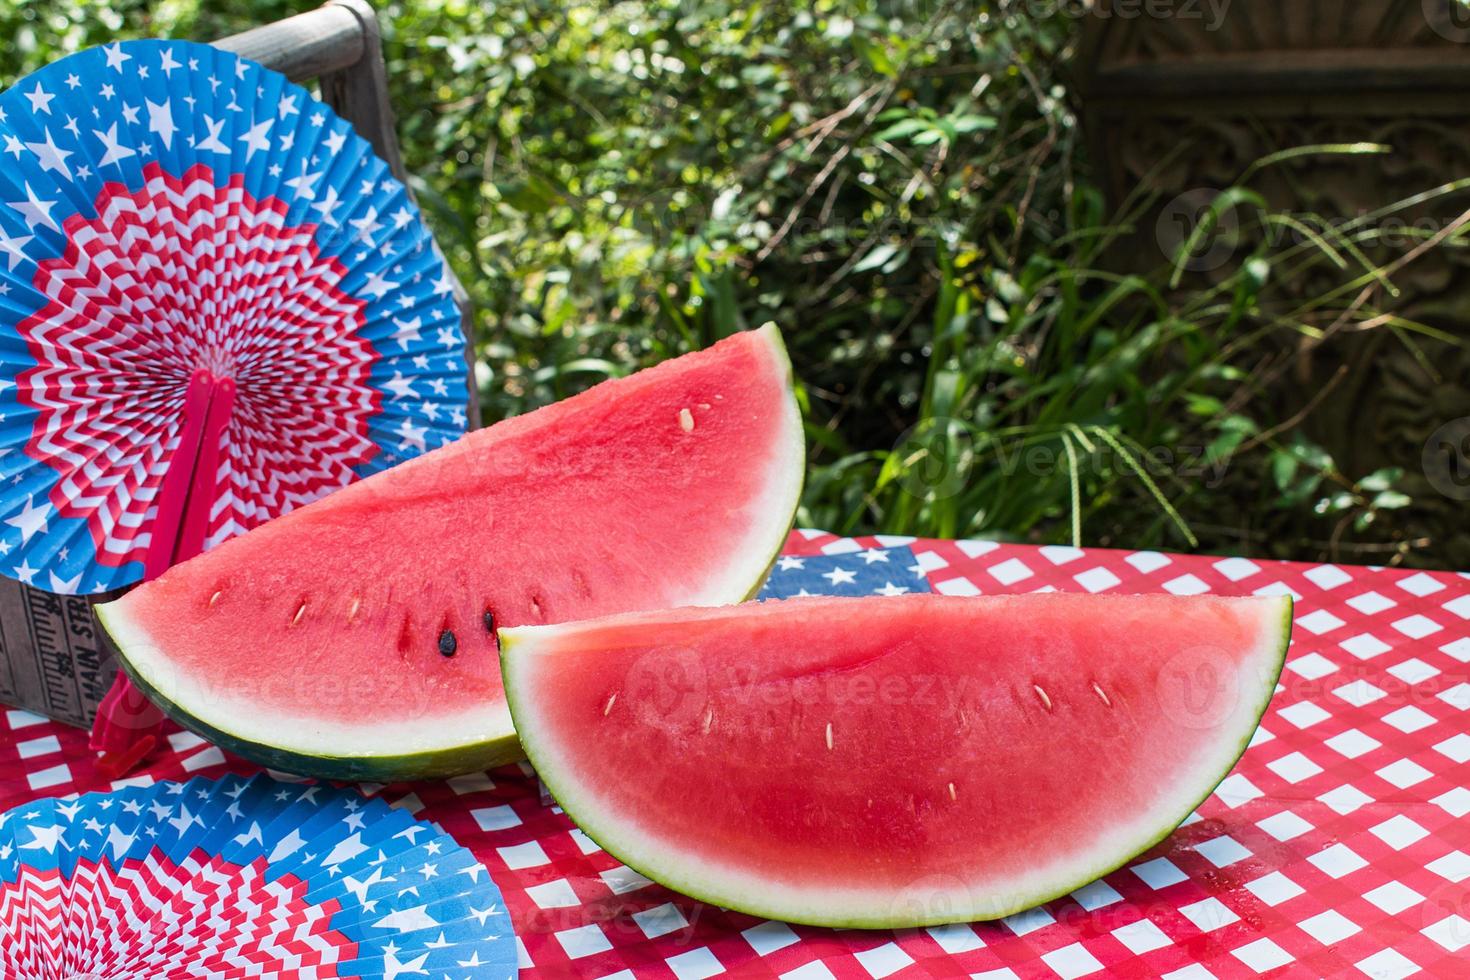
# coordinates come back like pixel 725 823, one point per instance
pixel 787 468
pixel 237 715
pixel 933 901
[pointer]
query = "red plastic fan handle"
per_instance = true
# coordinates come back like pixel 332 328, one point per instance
pixel 127 724
pixel 194 524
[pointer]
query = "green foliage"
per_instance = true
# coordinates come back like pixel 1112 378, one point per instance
pixel 41 32
pixel 892 182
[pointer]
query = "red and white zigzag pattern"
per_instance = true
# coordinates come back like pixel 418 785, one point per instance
pixel 155 918
pixel 172 277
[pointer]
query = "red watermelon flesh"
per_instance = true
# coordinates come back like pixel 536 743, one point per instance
pixel 893 762
pixel 355 636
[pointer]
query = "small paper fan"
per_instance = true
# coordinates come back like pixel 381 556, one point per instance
pixel 241 877
pixel 211 290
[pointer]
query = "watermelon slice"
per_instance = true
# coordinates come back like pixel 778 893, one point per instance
pixel 893 762
pixel 354 638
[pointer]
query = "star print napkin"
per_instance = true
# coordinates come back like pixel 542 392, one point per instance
pixel 874 571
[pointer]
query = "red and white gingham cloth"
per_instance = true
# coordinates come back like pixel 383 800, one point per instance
pixel 1339 846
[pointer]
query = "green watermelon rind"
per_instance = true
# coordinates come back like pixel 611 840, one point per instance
pixel 696 889
pixel 433 764
pixel 502 746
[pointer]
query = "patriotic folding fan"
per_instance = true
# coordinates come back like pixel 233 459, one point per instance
pixel 216 305
pixel 241 878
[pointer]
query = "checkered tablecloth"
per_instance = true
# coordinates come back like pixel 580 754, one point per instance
pixel 1339 847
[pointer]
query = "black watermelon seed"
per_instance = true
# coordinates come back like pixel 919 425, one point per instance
pixel 489 621
pixel 447 643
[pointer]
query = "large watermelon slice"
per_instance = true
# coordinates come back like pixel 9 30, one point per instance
pixel 355 637
pixel 893 762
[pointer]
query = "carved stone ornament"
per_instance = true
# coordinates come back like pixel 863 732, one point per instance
pixel 1184 95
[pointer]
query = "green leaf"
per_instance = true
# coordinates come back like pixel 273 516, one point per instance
pixel 971 124
pixel 902 128
pixel 531 194
pixel 1284 468
pixel 1391 500
pixel 1206 405
pixel 876 56
pixel 879 255
pixel 1381 479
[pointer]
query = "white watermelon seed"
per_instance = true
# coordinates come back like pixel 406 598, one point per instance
pixel 352 613
pixel 214 598
pixel 952 792
pixel 608 707
pixel 1042 694
pixel 829 735
pixel 1102 694
pixel 686 420
pixel 709 718
pixel 301 611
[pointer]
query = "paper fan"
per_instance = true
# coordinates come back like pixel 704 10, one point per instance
pixel 241 878
pixel 216 304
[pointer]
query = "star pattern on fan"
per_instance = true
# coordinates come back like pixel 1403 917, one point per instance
pixel 166 207
pixel 194 879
